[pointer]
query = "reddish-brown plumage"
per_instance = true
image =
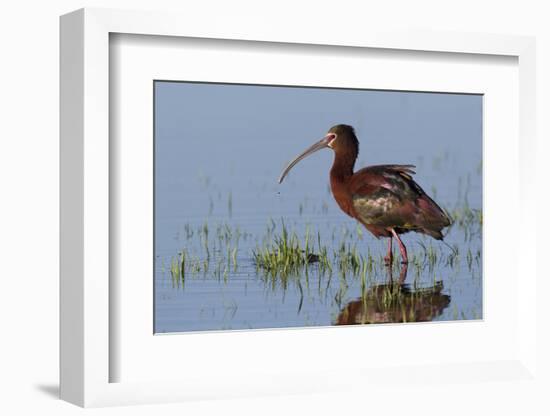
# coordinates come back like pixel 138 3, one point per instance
pixel 384 198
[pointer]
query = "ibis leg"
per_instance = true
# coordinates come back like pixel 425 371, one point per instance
pixel 402 248
pixel 389 257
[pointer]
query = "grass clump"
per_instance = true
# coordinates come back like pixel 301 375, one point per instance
pixel 288 255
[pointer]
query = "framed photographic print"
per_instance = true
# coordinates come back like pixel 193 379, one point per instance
pixel 227 198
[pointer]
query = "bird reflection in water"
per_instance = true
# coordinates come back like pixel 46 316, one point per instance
pixel 395 302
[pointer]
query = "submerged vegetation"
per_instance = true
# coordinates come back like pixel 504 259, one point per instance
pixel 282 252
pixel 339 260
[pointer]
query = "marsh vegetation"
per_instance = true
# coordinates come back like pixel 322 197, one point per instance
pixel 339 266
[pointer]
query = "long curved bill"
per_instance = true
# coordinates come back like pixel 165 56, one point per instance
pixel 321 144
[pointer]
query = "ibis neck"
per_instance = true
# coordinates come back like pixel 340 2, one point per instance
pixel 343 165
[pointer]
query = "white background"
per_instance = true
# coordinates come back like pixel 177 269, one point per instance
pixel 29 208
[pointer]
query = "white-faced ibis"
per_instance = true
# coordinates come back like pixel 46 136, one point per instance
pixel 384 198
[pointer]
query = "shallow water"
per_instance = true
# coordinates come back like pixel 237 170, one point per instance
pixel 217 163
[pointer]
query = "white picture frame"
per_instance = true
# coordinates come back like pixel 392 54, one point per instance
pixel 86 304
